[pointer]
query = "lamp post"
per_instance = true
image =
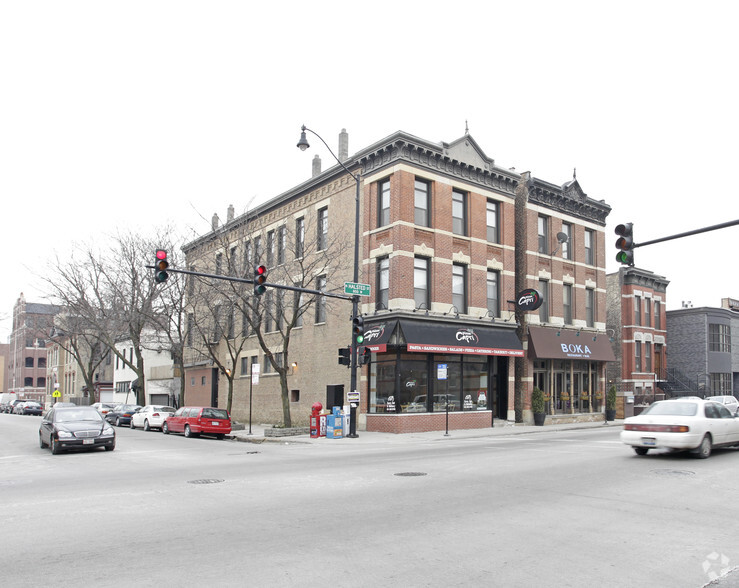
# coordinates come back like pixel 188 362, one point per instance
pixel 303 145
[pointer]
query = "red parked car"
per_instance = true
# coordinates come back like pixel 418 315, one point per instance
pixel 194 420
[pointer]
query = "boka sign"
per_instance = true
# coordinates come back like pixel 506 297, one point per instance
pixel 528 300
pixel 576 350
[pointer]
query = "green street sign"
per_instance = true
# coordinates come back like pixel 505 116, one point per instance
pixel 354 289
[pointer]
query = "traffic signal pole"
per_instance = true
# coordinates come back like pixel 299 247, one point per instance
pixel 626 245
pixel 688 233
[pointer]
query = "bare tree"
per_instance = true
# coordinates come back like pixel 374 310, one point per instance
pixel 224 313
pixel 113 293
pixel 74 334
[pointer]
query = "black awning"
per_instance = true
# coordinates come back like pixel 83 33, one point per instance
pixel 377 334
pixel 431 337
pixel 550 343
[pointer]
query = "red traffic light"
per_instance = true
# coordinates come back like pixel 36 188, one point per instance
pixel 160 266
pixel 260 277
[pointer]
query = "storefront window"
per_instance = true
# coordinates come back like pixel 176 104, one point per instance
pixel 382 393
pixel 412 396
pixel 415 386
pixel 449 389
pixel 475 383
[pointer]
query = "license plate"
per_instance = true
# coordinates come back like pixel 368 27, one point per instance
pixel 215 423
pixel 648 441
pixel 88 441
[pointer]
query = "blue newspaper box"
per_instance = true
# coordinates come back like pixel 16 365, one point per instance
pixel 335 424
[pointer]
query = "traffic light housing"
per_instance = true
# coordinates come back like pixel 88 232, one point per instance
pixel 625 244
pixel 345 356
pixel 160 266
pixel 364 356
pixel 358 330
pixel 260 277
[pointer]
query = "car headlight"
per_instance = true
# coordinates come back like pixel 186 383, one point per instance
pixel 108 431
pixel 64 434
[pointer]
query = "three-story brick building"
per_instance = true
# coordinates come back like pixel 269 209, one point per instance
pixel 448 242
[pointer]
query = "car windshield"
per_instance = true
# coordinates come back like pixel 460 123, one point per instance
pixel 673 408
pixel 68 416
pixel 215 413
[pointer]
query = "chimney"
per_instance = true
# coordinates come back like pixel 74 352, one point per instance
pixel 316 165
pixel 230 213
pixel 214 222
pixel 343 145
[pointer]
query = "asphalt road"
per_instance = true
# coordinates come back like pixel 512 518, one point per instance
pixel 569 508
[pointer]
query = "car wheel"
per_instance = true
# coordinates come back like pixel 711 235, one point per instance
pixel 165 429
pixel 188 432
pixel 146 425
pixel 41 443
pixel 132 425
pixel 118 422
pixel 704 449
pixel 109 447
pixel 54 446
pixel 641 450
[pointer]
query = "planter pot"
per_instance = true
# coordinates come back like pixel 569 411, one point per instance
pixel 610 414
pixel 539 418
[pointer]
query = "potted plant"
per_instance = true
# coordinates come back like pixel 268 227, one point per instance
pixel 537 406
pixel 611 404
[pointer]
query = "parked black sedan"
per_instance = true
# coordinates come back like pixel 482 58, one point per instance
pixel 80 427
pixel 121 414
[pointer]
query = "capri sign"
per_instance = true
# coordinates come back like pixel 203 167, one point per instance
pixel 528 300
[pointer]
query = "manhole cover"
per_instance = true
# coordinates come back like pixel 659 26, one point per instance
pixel 410 474
pixel 673 473
pixel 205 481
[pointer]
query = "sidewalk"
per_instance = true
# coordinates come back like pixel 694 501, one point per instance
pixel 501 428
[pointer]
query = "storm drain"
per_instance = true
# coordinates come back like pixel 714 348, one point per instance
pixel 673 473
pixel 410 474
pixel 205 481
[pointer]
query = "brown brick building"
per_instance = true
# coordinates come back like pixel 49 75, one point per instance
pixel 32 325
pixel 637 320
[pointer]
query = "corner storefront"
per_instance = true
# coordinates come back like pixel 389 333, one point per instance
pixel 421 369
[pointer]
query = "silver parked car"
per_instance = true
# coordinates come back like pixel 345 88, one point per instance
pixel 729 402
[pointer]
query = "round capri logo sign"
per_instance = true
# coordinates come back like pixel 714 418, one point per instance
pixel 528 300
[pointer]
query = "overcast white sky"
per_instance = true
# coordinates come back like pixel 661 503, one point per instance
pixel 143 113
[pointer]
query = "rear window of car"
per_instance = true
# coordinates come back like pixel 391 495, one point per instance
pixel 215 413
pixel 164 408
pixel 673 408
pixel 76 414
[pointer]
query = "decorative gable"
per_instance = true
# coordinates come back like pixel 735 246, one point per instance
pixel 466 150
pixel 573 190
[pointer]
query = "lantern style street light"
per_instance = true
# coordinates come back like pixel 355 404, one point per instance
pixel 303 145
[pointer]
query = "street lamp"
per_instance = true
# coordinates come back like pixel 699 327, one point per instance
pixel 303 145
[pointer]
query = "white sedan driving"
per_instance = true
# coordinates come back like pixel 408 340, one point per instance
pixel 684 424
pixel 151 416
